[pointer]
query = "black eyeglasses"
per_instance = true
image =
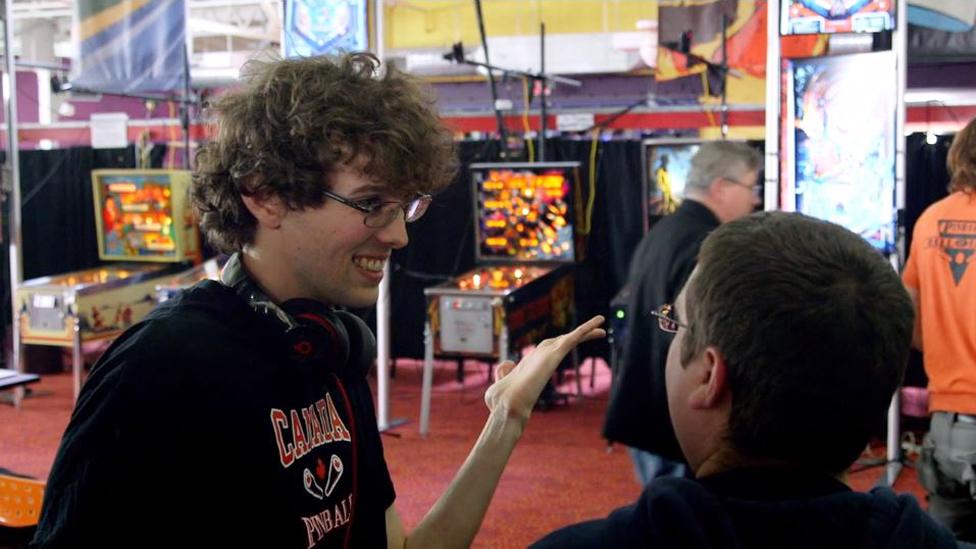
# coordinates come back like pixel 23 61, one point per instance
pixel 380 213
pixel 665 319
pixel 756 189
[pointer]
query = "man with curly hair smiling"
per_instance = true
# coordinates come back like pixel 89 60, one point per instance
pixel 238 414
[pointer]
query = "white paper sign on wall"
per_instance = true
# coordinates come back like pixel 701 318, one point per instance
pixel 574 122
pixel 108 130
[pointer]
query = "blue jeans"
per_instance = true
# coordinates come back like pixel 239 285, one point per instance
pixel 649 466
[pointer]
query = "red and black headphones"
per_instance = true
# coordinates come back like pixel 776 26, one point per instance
pixel 313 332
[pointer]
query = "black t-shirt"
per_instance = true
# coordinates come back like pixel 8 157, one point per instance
pixel 196 429
pixel 759 508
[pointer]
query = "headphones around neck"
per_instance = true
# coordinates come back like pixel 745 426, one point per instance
pixel 313 333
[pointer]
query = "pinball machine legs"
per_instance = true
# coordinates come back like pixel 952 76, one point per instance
pixel 549 397
pixel 76 360
pixel 428 380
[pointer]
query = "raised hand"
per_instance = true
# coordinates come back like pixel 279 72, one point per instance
pixel 517 387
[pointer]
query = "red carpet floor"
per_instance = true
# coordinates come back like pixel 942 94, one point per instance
pixel 562 471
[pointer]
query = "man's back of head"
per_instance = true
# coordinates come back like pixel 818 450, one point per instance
pixel 814 328
pixel 790 338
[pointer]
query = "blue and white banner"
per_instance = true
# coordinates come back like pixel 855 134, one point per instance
pixel 129 46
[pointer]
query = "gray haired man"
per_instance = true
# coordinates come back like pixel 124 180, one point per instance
pixel 722 186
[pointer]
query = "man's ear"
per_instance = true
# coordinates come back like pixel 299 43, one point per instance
pixel 713 380
pixel 716 188
pixel 268 211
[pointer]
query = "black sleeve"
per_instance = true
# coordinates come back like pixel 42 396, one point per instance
pixel 82 494
pixel 682 266
pixel 101 487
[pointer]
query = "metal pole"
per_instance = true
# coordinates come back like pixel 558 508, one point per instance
pixel 12 176
pixel 383 352
pixel 771 183
pixel 426 387
pixel 542 93
pixel 899 45
pixel 502 133
pixel 379 44
pixel 383 302
pixel 76 358
pixel 724 109
pixel 185 107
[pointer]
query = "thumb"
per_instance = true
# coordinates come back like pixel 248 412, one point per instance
pixel 503 369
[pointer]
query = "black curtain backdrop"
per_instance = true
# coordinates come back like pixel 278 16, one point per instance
pixel 59 225
pixel 926 181
pixel 57 214
pixel 926 177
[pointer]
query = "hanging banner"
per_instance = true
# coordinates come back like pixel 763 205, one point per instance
pixel 317 27
pixel 129 46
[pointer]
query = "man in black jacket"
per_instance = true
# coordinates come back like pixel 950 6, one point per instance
pixel 788 342
pixel 722 186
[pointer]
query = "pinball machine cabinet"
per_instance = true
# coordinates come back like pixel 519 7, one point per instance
pixel 526 244
pixel 169 287
pixel 142 218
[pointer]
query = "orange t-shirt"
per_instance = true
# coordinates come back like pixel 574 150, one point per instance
pixel 942 268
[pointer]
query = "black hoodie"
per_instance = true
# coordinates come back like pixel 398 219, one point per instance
pixel 759 508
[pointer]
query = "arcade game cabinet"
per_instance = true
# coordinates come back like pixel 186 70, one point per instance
pixel 143 218
pixel 523 290
pixel 168 288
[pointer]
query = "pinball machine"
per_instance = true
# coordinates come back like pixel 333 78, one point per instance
pixel 143 220
pixel 526 245
pixel 167 288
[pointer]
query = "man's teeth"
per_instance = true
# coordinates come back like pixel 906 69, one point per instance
pixel 369 264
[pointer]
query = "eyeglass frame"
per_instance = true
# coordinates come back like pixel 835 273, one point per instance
pixel 664 319
pixel 756 189
pixel 422 199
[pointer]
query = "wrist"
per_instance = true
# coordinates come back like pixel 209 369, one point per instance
pixel 504 420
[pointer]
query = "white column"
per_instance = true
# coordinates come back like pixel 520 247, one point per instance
pixel 383 351
pixel 899 45
pixel 771 199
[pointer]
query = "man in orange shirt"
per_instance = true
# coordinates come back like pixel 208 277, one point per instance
pixel 941 278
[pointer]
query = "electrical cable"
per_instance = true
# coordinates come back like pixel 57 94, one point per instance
pixel 613 118
pixel 708 93
pixel 171 149
pixel 491 79
pixel 591 195
pixel 43 183
pixel 947 107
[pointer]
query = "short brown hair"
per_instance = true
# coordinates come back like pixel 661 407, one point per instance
pixel 815 327
pixel 962 160
pixel 284 132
